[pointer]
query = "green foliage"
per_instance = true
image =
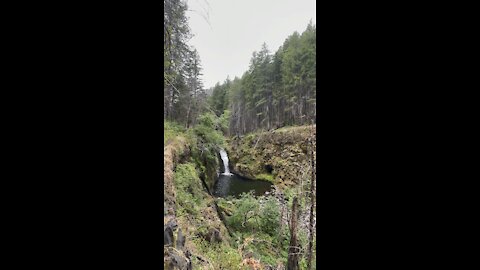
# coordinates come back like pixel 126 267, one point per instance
pixel 265 176
pixel 265 248
pixel 245 214
pixel 207 139
pixel 256 227
pixel 277 90
pixel 224 120
pixel 208 120
pixel 208 130
pixel 186 176
pixel 220 255
pixel 219 100
pixel 289 193
pixel 270 218
pixel 184 94
pixel 189 189
pixel 171 130
pixel 208 136
pixel 248 215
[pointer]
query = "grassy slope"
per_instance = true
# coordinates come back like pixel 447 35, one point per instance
pixel 190 205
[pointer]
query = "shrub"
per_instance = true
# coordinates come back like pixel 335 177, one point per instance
pixel 206 139
pixel 245 215
pixel 270 216
pixel 171 130
pixel 189 189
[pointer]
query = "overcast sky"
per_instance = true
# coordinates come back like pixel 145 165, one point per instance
pixel 237 28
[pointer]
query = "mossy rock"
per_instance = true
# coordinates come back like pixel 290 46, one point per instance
pixel 285 150
pixel 265 176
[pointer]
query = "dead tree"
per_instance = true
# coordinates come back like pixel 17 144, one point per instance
pixel 312 205
pixel 293 249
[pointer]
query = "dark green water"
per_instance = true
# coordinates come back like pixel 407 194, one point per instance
pixel 234 185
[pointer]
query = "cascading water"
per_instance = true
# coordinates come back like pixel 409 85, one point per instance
pixel 224 157
pixel 229 184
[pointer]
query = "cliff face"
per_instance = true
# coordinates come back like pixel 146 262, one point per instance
pixel 281 156
pixel 173 152
pixel 190 212
pixel 210 173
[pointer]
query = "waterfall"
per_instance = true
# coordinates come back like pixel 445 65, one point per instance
pixel 224 157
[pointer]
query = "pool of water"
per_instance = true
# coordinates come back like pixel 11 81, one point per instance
pixel 234 185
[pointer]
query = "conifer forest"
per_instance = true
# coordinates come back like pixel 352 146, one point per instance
pixel 239 154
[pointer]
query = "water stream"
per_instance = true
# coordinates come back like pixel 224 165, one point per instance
pixel 224 157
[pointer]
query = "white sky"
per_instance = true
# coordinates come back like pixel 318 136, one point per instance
pixel 237 28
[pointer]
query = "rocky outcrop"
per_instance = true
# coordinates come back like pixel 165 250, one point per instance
pixel 281 156
pixel 210 172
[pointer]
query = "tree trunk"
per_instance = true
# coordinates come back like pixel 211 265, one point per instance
pixel 312 205
pixel 188 113
pixel 280 232
pixel 293 249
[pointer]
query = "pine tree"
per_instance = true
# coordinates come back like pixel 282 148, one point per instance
pixel 277 90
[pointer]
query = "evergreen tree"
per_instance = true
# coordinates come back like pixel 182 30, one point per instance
pixel 184 96
pixel 277 90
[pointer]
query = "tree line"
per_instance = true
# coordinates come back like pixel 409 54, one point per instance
pixel 184 96
pixel 277 90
